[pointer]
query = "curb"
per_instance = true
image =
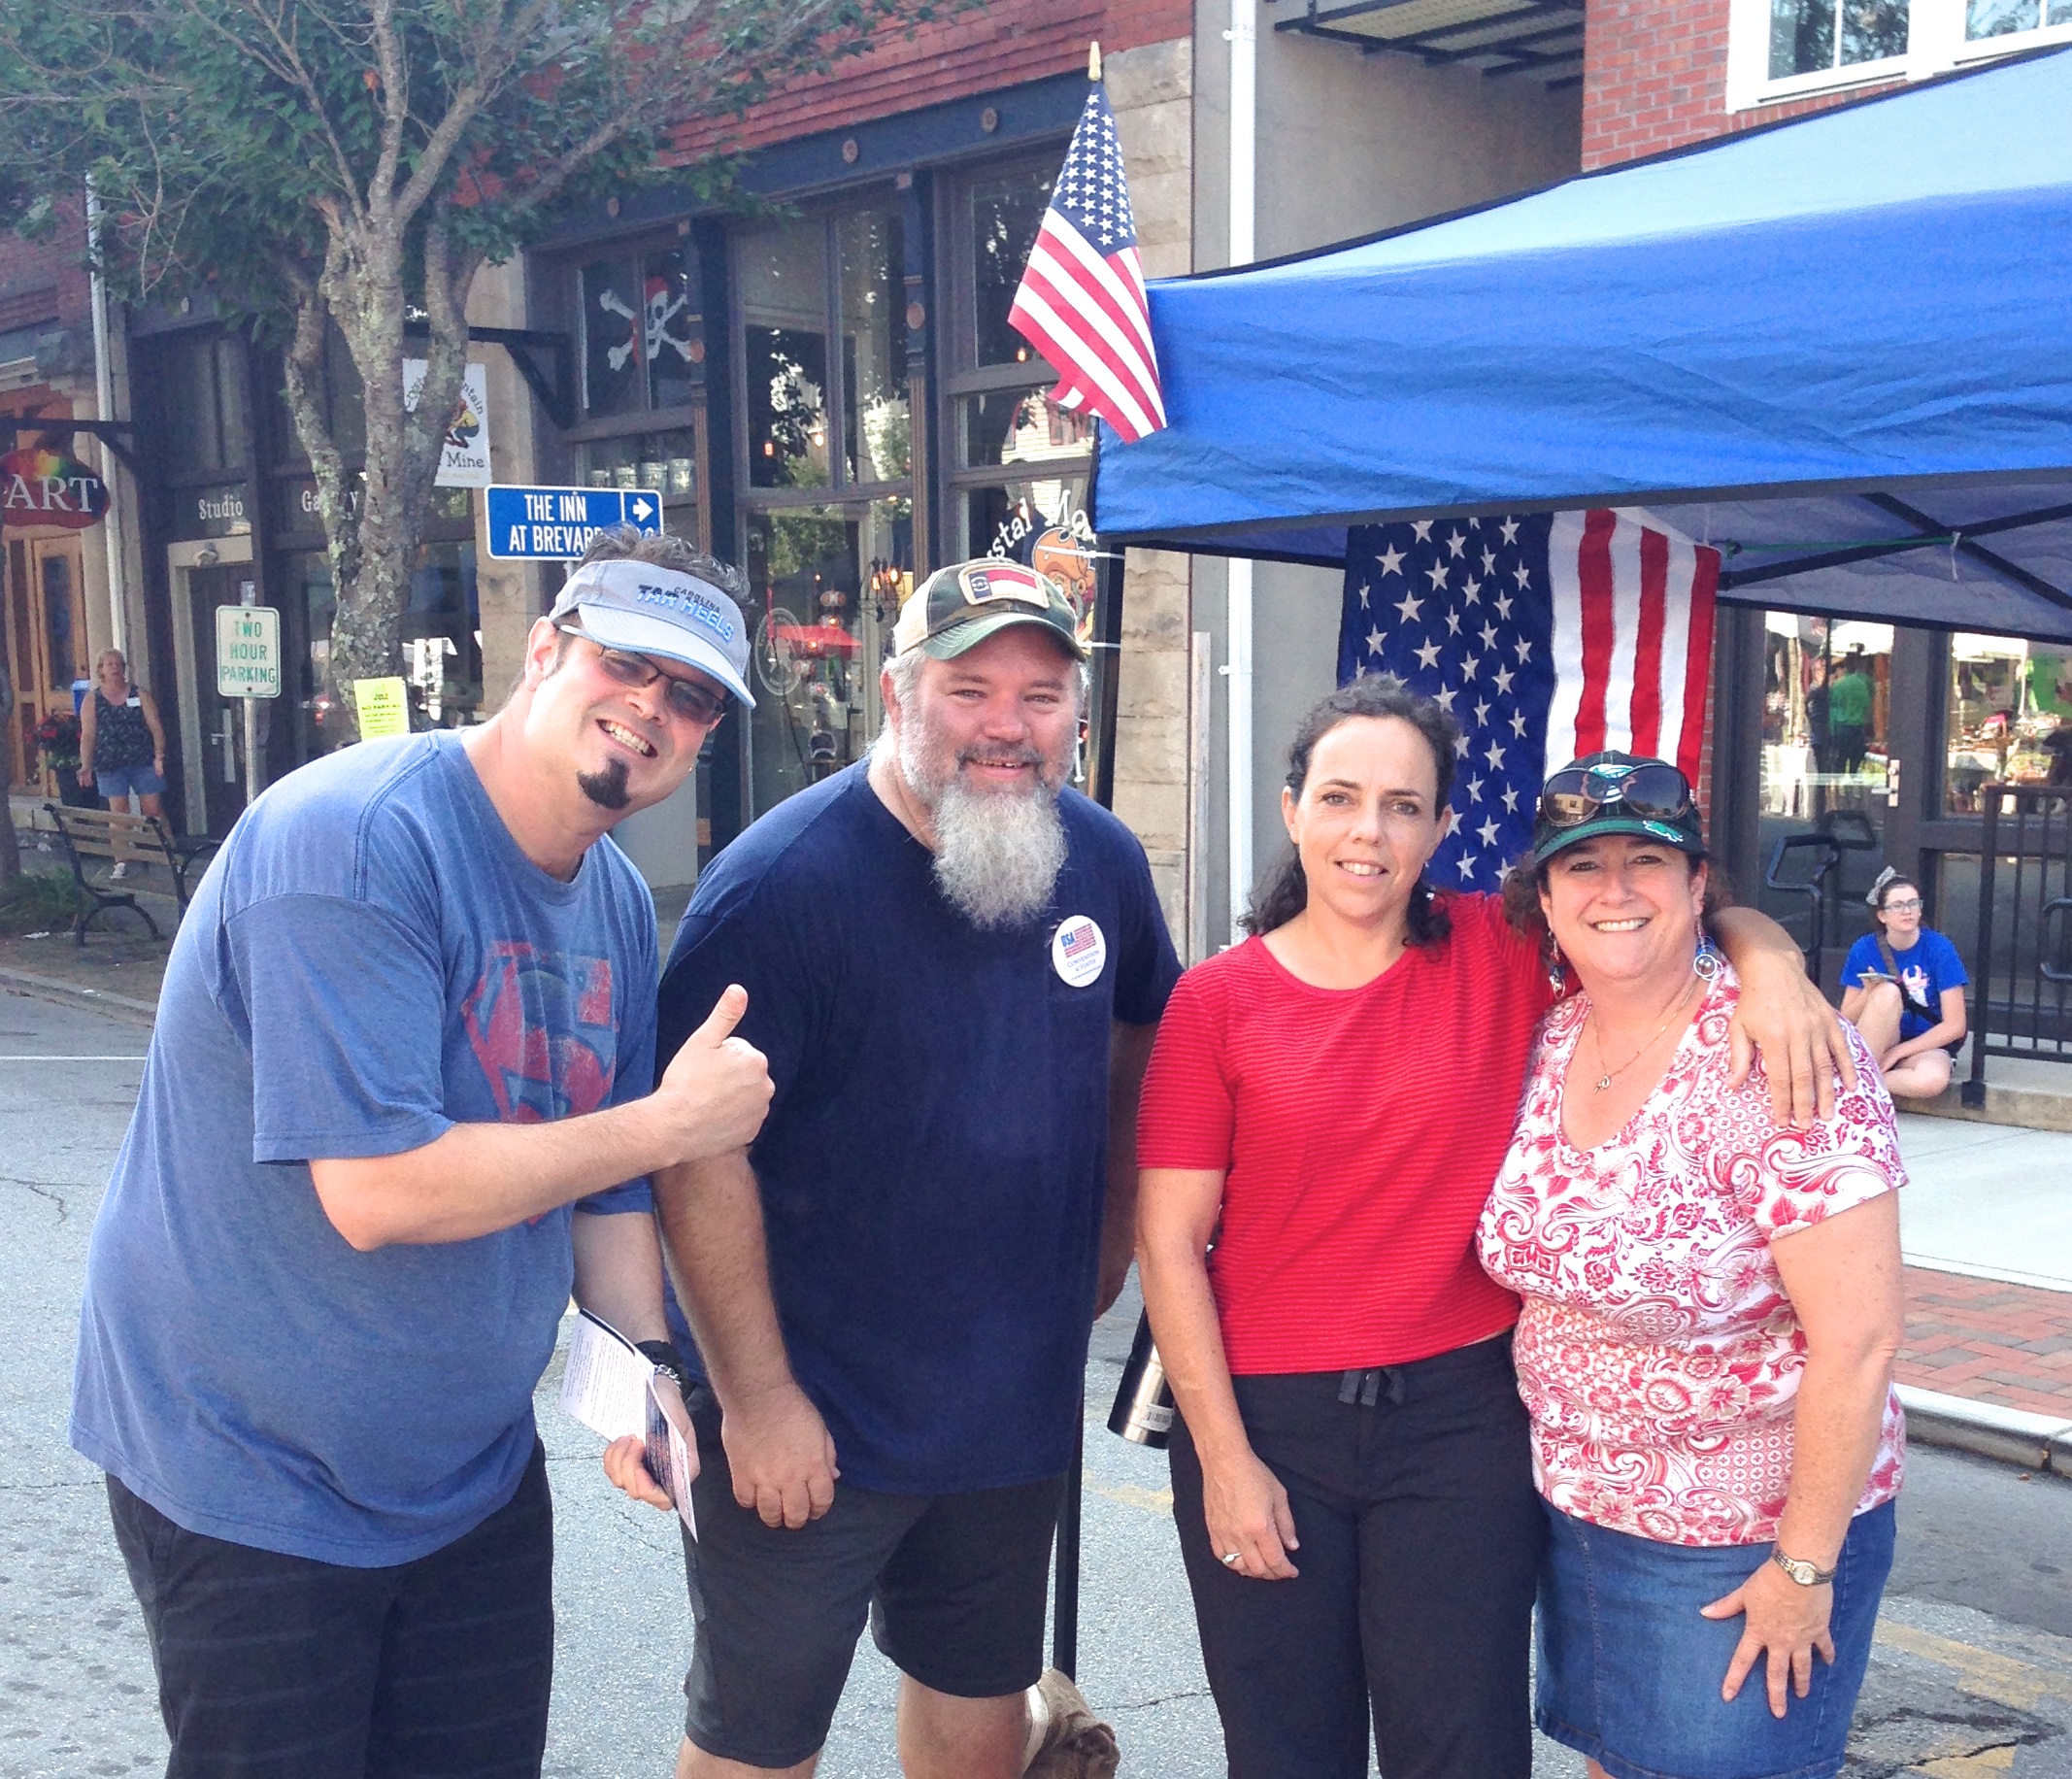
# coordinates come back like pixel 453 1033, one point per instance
pixel 1988 1429
pixel 104 1001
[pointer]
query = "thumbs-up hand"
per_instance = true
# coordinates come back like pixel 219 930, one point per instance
pixel 714 1094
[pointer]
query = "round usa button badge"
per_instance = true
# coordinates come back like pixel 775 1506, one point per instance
pixel 1077 950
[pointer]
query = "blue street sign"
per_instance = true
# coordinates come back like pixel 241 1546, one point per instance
pixel 557 524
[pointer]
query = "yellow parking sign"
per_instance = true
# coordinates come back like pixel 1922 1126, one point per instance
pixel 384 707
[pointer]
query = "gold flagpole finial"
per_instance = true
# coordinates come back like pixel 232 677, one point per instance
pixel 1093 61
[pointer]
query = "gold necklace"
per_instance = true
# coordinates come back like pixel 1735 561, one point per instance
pixel 1604 1081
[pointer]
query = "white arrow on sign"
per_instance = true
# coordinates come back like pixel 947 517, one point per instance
pixel 641 509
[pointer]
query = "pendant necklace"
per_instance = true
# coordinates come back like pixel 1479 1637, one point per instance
pixel 1604 1081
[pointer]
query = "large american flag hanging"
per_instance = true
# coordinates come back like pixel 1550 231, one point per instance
pixel 1547 637
pixel 1081 302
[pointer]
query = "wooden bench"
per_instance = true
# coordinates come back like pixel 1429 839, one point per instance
pixel 108 834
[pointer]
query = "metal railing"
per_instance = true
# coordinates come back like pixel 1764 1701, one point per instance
pixel 2022 972
pixel 1840 832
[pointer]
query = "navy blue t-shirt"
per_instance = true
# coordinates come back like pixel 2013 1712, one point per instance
pixel 1927 967
pixel 935 1158
pixel 370 960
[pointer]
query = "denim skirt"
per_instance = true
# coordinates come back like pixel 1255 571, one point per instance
pixel 1629 1672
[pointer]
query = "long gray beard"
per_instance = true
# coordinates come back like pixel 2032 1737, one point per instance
pixel 997 856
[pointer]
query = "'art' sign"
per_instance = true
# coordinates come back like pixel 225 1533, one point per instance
pixel 41 486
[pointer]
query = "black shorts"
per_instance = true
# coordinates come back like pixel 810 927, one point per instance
pixel 281 1667
pixel 953 1586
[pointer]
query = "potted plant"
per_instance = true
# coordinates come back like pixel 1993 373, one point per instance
pixel 58 737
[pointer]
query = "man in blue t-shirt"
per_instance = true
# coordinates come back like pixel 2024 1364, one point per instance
pixel 405 1026
pixel 955 965
pixel 1904 990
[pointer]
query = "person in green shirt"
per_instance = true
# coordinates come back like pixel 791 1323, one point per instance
pixel 1849 710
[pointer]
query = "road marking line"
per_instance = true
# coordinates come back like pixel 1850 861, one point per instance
pixel 2002 1679
pixel 1970 1766
pixel 1135 1494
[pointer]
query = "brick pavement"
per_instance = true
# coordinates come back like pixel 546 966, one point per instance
pixel 2009 1344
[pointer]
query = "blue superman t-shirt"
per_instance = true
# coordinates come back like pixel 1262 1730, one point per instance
pixel 933 1163
pixel 1927 967
pixel 370 960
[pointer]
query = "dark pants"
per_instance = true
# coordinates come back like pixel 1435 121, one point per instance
pixel 283 1667
pixel 1419 1551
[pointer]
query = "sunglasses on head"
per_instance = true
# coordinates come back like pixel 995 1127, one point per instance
pixel 1655 791
pixel 686 698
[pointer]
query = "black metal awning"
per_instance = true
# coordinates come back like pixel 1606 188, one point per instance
pixel 1537 37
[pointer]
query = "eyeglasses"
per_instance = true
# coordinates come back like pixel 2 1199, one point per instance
pixel 686 698
pixel 1902 905
pixel 1574 794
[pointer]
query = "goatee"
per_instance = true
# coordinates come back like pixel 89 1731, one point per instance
pixel 606 789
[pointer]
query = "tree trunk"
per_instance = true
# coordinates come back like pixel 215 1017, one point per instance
pixel 372 524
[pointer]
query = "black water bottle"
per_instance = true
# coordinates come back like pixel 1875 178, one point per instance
pixel 1143 1413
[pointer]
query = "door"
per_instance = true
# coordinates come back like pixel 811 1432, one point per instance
pixel 220 720
pixel 46 647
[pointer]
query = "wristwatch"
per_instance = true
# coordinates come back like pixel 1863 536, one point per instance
pixel 664 1357
pixel 1806 1574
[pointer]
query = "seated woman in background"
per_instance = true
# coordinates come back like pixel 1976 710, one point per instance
pixel 1904 990
pixel 1712 1305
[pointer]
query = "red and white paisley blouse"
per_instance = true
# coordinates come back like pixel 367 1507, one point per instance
pixel 1657 1354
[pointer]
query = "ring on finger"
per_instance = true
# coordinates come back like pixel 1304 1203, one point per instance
pixel 1233 1556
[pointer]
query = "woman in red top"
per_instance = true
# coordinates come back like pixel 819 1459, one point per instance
pixel 1327 1109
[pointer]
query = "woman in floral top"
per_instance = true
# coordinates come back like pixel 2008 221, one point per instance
pixel 1711 1302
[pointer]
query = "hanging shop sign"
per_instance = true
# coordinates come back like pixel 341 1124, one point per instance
pixel 41 486
pixel 465 461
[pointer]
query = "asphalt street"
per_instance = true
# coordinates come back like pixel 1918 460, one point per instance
pixel 1972 1675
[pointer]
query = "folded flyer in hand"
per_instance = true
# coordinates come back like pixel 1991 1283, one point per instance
pixel 615 1390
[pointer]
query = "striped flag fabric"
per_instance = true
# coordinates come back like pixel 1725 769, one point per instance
pixel 1081 302
pixel 1547 637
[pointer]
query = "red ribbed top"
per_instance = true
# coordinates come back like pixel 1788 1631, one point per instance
pixel 1360 1130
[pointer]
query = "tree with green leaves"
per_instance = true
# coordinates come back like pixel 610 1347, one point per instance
pixel 312 163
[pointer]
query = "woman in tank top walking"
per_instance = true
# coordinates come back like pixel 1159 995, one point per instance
pixel 123 743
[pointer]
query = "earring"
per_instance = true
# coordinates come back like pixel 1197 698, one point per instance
pixel 1557 969
pixel 1708 960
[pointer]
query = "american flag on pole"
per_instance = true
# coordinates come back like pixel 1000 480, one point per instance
pixel 1548 638
pixel 1081 302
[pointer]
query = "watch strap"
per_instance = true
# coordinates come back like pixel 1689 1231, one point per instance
pixel 1806 1574
pixel 663 1356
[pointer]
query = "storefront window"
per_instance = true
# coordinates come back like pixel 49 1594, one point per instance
pixel 784 309
pixel 442 643
pixel 2008 719
pixel 1004 215
pixel 875 423
pixel 827 583
pixel 664 461
pixel 1825 760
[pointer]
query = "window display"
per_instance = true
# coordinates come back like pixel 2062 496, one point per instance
pixel 2008 719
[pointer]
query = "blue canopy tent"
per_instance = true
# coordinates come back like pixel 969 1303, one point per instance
pixel 1837 348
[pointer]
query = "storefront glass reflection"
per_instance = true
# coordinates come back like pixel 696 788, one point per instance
pixel 875 426
pixel 2008 719
pixel 1825 762
pixel 442 644
pixel 783 307
pixel 827 584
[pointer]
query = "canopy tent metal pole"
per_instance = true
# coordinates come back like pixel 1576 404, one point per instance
pixel 1108 576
